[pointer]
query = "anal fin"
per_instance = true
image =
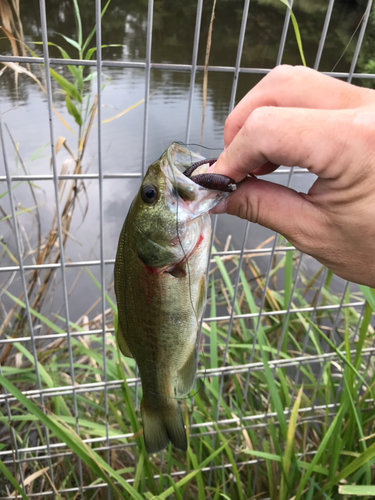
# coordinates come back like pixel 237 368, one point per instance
pixel 202 297
pixel 186 375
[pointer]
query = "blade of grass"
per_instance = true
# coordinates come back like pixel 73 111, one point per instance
pixel 78 25
pixel 359 491
pixel 134 422
pixel 60 403
pixel 93 31
pixel 363 459
pixel 107 297
pixel 289 446
pixel 11 479
pixel 74 442
pixel 296 31
pixel 278 458
pixel 175 489
pixel 70 89
pixel 320 451
pixel 369 294
pixel 275 398
pixel 340 355
pixel 213 338
pixel 192 474
pixel 363 332
pixel 226 447
pixel 139 471
pixel 194 461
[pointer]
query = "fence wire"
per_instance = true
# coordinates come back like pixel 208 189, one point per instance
pixel 48 453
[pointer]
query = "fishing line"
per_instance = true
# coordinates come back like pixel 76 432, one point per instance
pixel 188 273
pixel 204 147
pixel 351 38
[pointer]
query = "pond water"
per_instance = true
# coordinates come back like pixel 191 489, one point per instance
pixel 25 114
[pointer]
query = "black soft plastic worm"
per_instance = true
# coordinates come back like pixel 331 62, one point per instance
pixel 211 180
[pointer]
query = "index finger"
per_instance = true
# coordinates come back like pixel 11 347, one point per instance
pixel 312 139
pixel 290 87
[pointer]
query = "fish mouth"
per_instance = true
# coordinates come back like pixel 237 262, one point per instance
pixel 194 199
pixel 181 158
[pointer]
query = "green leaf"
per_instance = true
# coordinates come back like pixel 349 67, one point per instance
pixel 134 420
pixel 275 397
pixel 359 491
pixel 296 31
pixel 93 31
pixel 91 51
pixel 175 489
pixel 76 72
pixel 78 23
pixel 107 297
pixel 66 86
pixel 278 458
pixel 192 474
pixel 341 356
pixel 13 187
pixel 46 378
pixel 363 459
pixel 11 479
pixel 318 454
pixel 369 294
pixel 73 110
pixel 363 330
pixel 194 461
pixel 289 446
pixel 72 42
pixel 46 321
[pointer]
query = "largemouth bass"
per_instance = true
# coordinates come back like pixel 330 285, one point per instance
pixel 160 285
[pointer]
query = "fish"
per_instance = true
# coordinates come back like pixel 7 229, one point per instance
pixel 160 286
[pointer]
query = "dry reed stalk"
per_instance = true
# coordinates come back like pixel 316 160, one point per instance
pixel 46 252
pixel 206 60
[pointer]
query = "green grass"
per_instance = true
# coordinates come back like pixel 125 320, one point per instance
pixel 299 453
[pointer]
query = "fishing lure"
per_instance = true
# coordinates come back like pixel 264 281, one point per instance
pixel 210 180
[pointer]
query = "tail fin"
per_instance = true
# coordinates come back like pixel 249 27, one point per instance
pixel 162 423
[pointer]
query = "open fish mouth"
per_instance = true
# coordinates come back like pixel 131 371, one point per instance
pixel 187 179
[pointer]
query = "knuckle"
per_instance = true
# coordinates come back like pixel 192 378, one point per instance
pixel 258 118
pixel 230 127
pixel 285 73
pixel 261 119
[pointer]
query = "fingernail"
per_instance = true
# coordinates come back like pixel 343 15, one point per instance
pixel 220 208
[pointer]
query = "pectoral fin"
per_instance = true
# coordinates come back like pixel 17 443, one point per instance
pixel 201 299
pixel 186 375
pixel 122 342
pixel 178 271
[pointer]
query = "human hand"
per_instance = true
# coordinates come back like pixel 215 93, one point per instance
pixel 297 116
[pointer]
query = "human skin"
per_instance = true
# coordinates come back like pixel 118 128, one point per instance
pixel 297 116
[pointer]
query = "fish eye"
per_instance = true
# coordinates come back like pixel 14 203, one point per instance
pixel 149 194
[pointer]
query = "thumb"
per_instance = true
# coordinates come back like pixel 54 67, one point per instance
pixel 279 208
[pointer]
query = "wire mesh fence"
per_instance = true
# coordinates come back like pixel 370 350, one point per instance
pixel 267 303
